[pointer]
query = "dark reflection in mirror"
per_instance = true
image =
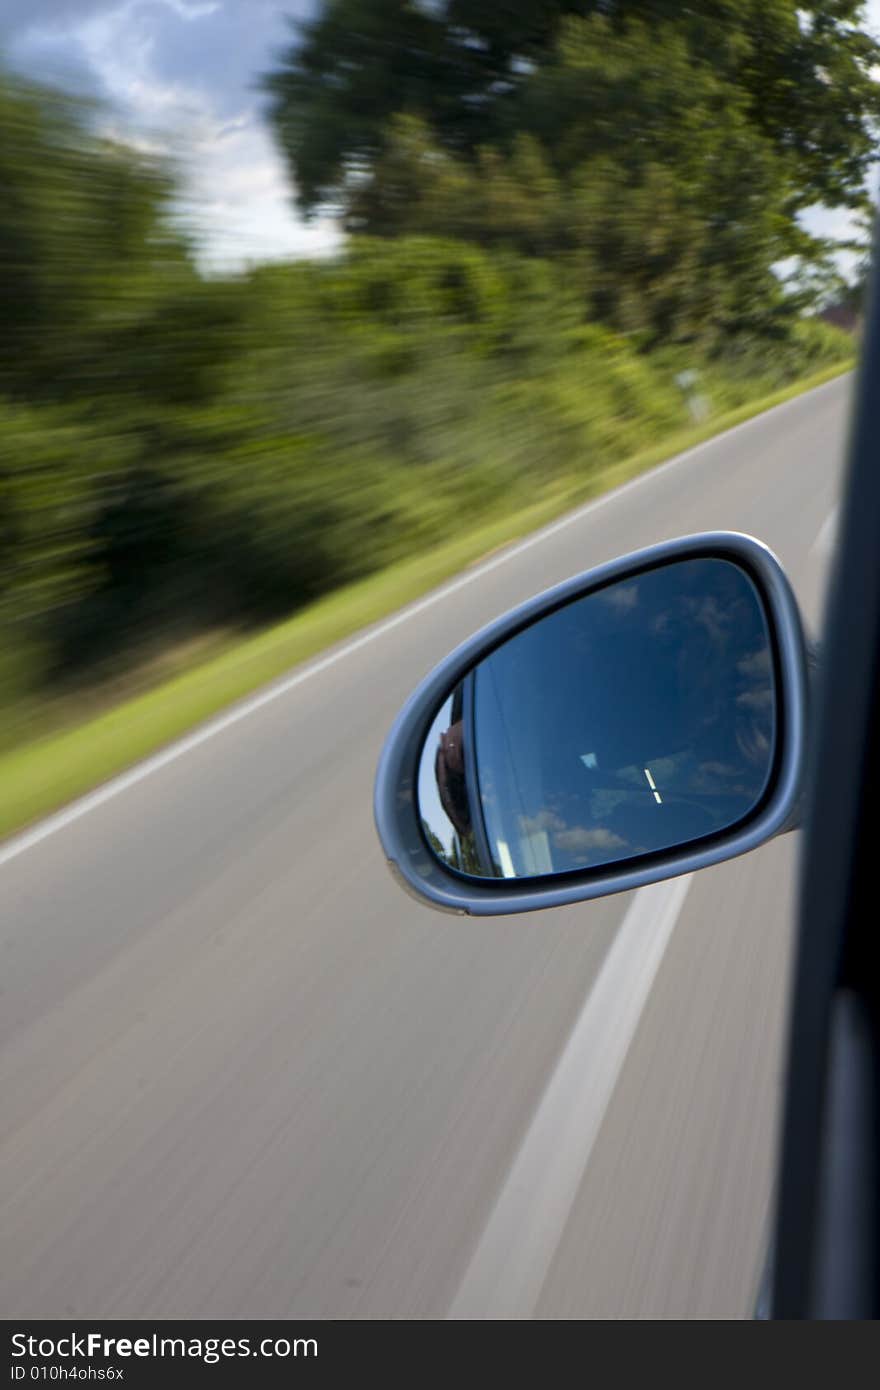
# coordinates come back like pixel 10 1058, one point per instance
pixel 630 721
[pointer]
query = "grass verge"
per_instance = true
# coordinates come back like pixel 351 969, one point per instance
pixel 46 772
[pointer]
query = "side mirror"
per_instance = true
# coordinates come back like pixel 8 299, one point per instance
pixel 640 721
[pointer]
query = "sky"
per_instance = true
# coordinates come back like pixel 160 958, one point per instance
pixel 178 77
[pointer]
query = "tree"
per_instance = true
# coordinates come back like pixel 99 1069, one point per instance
pixel 666 152
pixel 471 69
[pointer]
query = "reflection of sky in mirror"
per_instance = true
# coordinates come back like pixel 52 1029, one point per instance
pixel 635 718
pixel 632 719
pixel 430 808
pixel 627 721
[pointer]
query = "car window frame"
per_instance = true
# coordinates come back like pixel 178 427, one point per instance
pixel 826 1253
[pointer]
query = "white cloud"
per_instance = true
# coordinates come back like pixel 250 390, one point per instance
pixel 238 188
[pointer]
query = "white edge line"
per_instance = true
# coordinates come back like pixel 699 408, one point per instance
pixel 513 1256
pixel 827 536
pixel 92 800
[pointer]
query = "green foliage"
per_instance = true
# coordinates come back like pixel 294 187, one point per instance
pixel 180 455
pixel 479 73
pixel 739 364
pixel 86 251
pixel 664 151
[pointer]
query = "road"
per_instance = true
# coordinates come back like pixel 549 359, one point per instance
pixel 244 1076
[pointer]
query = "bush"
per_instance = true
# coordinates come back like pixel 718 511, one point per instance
pixel 179 453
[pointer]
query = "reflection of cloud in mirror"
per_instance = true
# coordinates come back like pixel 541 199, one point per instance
pixel 756 699
pixel 755 665
pixel 754 745
pixel 544 820
pixel 755 706
pixel 710 617
pixel 579 838
pixel 605 801
pixel 622 597
pixel 666 769
pixel 713 779
pixel 681 776
pixel 662 770
pixel 634 775
pixel 488 793
pixel 692 613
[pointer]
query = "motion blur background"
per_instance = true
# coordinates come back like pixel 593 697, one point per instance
pixel 291 292
pixel 306 307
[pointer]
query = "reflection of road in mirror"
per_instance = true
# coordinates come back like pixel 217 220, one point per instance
pixel 629 721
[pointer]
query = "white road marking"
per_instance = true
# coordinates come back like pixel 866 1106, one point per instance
pixel 827 537
pixel 72 812
pixel 652 784
pixel 511 1261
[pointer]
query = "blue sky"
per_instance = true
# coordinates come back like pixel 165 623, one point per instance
pixel 178 77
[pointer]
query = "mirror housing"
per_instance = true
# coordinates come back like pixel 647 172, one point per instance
pixel 397 813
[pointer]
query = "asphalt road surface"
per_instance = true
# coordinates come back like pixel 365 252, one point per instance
pixel 243 1075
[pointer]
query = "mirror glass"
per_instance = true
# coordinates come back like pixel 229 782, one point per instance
pixel 635 719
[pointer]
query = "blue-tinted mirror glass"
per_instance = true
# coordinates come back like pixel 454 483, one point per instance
pixel 633 720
